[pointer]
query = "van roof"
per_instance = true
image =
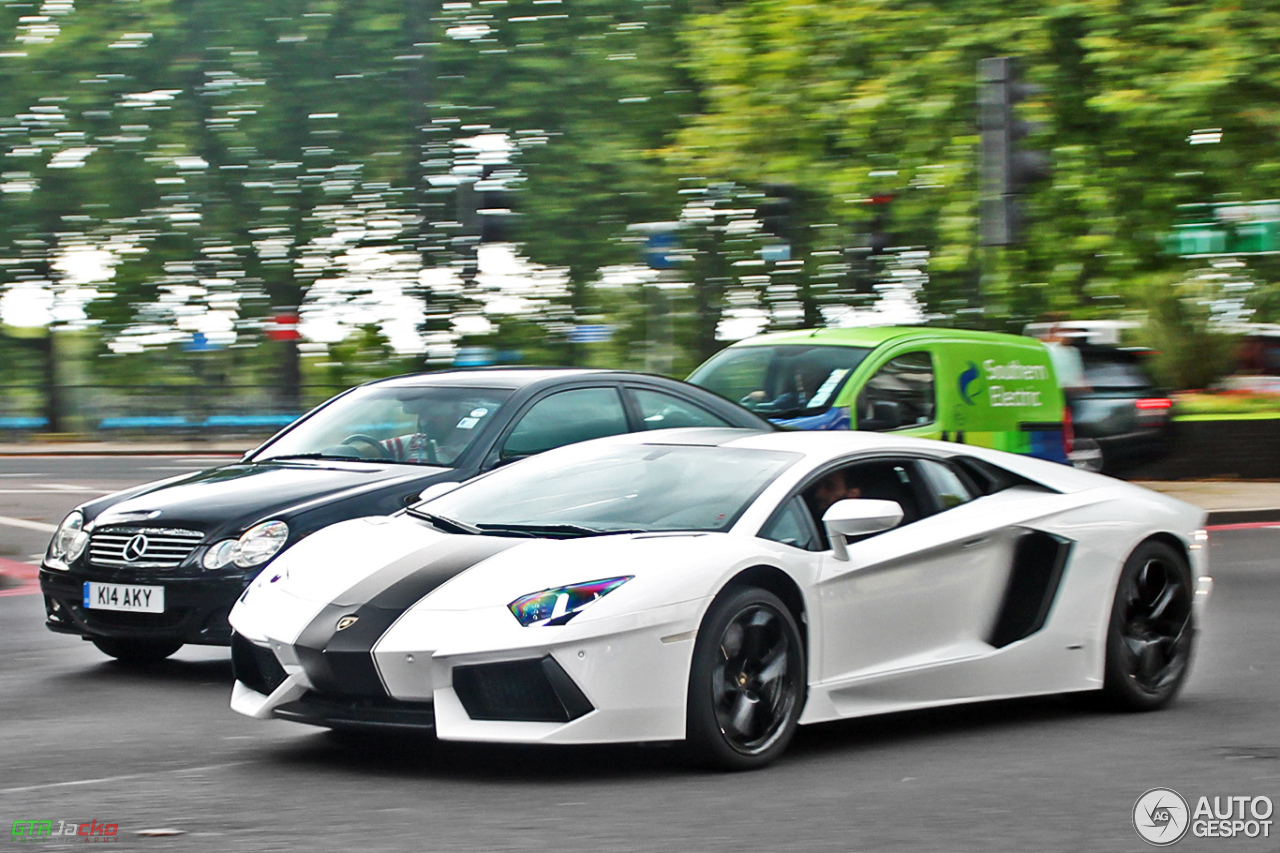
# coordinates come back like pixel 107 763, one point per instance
pixel 873 336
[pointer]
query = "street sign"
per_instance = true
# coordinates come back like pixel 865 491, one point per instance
pixel 1226 228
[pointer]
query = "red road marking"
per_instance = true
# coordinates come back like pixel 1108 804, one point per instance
pixel 25 574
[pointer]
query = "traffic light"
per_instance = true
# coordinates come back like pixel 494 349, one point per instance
pixel 484 206
pixel 1007 167
pixel 879 238
pixel 777 212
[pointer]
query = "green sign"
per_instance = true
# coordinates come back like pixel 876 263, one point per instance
pixel 1230 228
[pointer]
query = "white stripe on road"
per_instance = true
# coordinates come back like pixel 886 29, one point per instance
pixel 106 779
pixel 28 525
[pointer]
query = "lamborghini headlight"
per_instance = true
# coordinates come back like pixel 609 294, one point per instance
pixel 557 606
pixel 69 540
pixel 258 544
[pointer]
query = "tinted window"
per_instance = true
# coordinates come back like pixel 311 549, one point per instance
pixel 1100 372
pixel 949 489
pixel 900 394
pixel 564 418
pixel 663 411
pixel 792 527
pixel 886 480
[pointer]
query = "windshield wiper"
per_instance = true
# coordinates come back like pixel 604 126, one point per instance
pixel 317 455
pixel 448 525
pixel 550 530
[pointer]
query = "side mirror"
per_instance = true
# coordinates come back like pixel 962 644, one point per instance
pixel 858 517
pixel 435 490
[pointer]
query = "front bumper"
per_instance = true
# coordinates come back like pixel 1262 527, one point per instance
pixel 622 680
pixel 196 608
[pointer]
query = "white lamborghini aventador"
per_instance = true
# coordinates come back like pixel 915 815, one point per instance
pixel 721 587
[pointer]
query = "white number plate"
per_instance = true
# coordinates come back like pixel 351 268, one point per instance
pixel 119 596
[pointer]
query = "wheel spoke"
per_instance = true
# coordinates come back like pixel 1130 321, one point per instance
pixel 1163 601
pixel 756 641
pixel 774 666
pixel 731 642
pixel 743 714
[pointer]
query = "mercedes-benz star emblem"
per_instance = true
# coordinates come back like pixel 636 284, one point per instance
pixel 346 622
pixel 135 548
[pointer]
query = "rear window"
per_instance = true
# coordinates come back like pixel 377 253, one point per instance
pixel 1114 371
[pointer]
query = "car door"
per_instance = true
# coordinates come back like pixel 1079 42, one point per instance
pixel 925 592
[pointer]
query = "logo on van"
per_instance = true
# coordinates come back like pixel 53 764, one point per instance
pixel 967 380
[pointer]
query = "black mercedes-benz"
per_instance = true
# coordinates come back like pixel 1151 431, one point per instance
pixel 144 571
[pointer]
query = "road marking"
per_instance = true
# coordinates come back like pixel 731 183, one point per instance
pixel 105 779
pixel 27 575
pixel 61 490
pixel 28 525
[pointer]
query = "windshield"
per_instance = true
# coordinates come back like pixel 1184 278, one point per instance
pixel 602 489
pixel 414 426
pixel 780 381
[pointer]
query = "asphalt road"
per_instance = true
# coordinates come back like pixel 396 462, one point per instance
pixel 83 738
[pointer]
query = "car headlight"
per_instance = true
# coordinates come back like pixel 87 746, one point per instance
pixel 557 606
pixel 258 544
pixel 69 540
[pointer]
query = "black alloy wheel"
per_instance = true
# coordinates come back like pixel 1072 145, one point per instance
pixel 747 682
pixel 137 651
pixel 1152 629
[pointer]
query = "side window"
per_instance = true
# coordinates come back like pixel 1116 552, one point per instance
pixel 949 489
pixel 564 418
pixel 900 394
pixel 663 411
pixel 886 480
pixel 792 527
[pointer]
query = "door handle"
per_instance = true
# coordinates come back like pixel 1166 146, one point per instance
pixel 973 543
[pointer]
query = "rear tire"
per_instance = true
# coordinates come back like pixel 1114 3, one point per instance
pixel 137 651
pixel 747 682
pixel 1152 630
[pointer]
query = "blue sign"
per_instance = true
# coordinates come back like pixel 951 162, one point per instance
pixel 590 334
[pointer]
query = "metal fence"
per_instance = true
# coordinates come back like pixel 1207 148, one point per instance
pixel 106 410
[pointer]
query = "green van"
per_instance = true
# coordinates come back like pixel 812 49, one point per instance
pixel 978 388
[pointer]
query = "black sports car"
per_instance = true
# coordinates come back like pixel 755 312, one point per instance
pixel 146 570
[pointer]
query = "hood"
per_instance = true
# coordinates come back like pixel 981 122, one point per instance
pixel 358 561
pixel 238 495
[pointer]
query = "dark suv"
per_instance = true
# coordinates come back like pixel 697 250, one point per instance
pixel 1122 416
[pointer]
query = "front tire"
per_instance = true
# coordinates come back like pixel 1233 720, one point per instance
pixel 747 682
pixel 1152 630
pixel 137 651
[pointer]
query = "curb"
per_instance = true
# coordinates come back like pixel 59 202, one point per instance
pixel 1231 517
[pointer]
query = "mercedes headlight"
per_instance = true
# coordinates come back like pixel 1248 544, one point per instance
pixel 557 606
pixel 69 540
pixel 258 544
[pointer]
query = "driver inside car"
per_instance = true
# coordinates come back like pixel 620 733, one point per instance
pixel 443 433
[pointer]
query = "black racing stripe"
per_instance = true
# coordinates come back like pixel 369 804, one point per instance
pixel 340 663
